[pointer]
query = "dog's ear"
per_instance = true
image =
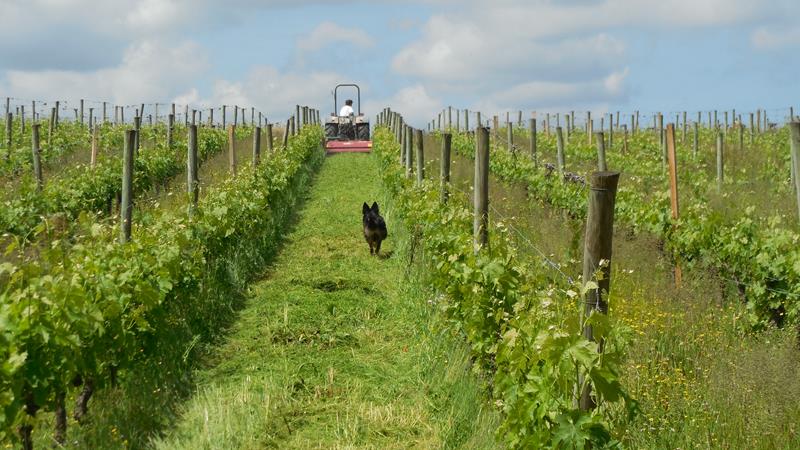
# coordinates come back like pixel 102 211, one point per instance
pixel 375 207
pixel 365 208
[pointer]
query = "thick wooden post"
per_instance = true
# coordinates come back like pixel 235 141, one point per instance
pixel 481 194
pixel 752 130
pixel 466 120
pixel 269 138
pixel 597 248
pixel 532 127
pixel 256 145
pixel 192 182
pixel 794 130
pixel 696 139
pixel 447 140
pixel 560 152
pixel 126 208
pixel 37 160
pixel 293 126
pixel 420 156
pixel 81 111
pixel 601 151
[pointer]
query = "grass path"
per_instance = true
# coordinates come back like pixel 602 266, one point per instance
pixel 335 348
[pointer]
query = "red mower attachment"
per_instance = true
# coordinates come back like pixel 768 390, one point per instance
pixel 348 146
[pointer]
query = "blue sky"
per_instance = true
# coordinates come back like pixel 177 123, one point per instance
pixel 416 56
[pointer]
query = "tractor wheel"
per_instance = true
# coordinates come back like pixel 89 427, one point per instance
pixel 331 130
pixel 362 131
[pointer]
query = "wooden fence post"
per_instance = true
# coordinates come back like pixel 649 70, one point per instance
pixel 256 145
pixel 741 137
pixel 420 156
pixel 410 150
pixel 481 195
pixel 673 189
pixel 447 140
pixel 126 207
pixel 510 136
pixel 597 249
pixel 170 129
pixel 286 133
pixel 794 129
pixel 9 133
pixel 601 151
pixel 720 163
pixel 81 112
pixel 624 139
pixel 232 149
pixel 269 138
pixel 685 130
pixel 51 128
pixel 662 141
pixel 37 161
pixel 560 163
pixel 93 159
pixel 192 182
pixel 137 126
pixel 752 130
pixel 696 139
pixel 611 131
pixel 532 127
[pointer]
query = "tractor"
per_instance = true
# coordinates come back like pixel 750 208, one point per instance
pixel 347 134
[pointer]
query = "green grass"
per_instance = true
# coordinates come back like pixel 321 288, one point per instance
pixel 335 348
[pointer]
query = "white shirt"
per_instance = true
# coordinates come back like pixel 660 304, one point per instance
pixel 346 111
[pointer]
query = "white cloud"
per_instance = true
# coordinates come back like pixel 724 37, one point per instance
pixel 150 71
pixel 413 102
pixel 276 93
pixel 329 33
pixel 531 53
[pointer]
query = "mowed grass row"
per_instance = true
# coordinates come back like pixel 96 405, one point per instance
pixel 335 348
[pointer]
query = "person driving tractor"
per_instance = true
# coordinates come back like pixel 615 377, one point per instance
pixel 347 109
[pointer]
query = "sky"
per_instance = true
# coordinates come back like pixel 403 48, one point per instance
pixel 414 56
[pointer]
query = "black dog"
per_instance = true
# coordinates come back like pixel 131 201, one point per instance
pixel 374 228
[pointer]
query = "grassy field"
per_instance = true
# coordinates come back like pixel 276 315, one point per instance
pixel 335 348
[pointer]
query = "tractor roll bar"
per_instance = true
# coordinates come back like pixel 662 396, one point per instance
pixel 336 103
